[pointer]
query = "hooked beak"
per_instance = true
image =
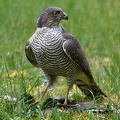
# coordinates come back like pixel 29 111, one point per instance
pixel 65 17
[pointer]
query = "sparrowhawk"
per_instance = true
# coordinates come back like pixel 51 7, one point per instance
pixel 58 53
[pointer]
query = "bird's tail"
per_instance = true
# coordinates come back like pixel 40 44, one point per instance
pixel 88 86
pixel 91 90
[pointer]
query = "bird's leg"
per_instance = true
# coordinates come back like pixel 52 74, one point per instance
pixel 44 92
pixel 66 98
pixel 40 99
pixel 70 82
pixel 51 79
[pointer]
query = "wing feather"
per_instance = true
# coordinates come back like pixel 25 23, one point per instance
pixel 73 50
pixel 30 55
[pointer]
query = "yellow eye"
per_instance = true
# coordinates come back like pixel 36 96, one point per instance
pixel 56 13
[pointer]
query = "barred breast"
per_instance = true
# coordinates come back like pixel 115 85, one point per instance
pixel 46 44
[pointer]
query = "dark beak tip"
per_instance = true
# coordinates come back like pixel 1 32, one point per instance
pixel 65 17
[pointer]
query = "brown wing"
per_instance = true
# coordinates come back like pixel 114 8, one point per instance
pixel 72 48
pixel 30 55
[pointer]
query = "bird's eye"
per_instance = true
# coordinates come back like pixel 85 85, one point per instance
pixel 56 13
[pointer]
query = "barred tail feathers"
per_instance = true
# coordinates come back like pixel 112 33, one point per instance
pixel 88 86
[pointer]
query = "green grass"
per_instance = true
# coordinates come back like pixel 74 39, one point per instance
pixel 96 24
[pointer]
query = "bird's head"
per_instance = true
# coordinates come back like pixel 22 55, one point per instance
pixel 51 17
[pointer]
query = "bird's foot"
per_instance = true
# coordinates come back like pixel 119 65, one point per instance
pixel 36 102
pixel 65 102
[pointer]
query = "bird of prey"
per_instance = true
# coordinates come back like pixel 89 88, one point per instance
pixel 58 53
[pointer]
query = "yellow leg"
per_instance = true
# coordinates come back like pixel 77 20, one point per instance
pixel 40 99
pixel 66 98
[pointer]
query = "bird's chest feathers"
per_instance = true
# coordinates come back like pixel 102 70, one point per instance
pixel 50 37
pixel 48 43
